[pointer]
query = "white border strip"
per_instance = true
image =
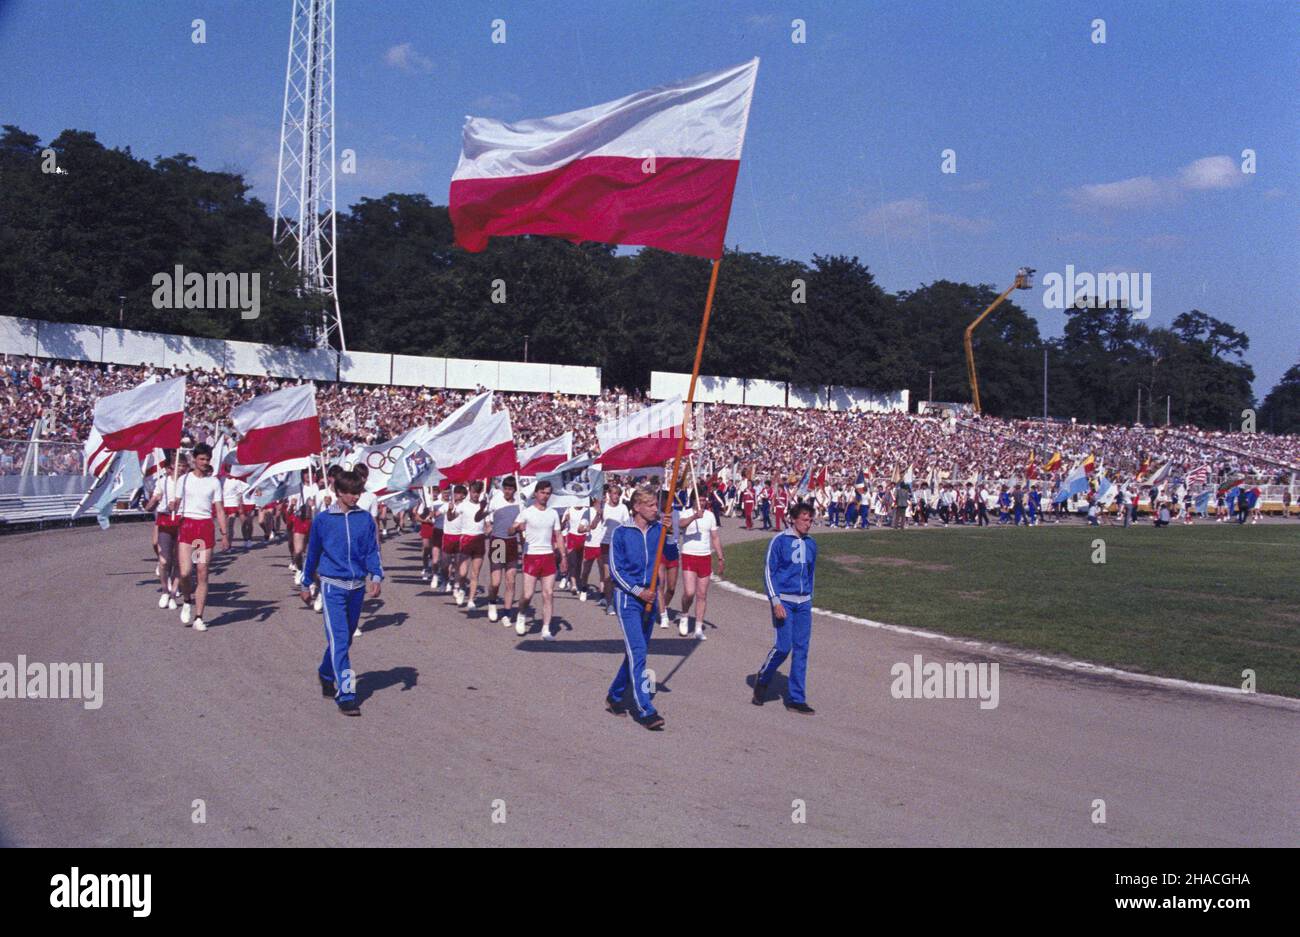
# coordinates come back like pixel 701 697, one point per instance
pixel 1061 663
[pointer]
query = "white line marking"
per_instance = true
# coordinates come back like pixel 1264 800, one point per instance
pixel 1061 663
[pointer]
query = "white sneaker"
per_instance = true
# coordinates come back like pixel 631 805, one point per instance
pixel 492 611
pixel 356 634
pixel 199 626
pixel 297 578
pixel 318 604
pixel 171 603
pixel 521 625
pixel 424 575
pixel 699 633
pixel 469 603
pixel 663 619
pixel 547 635
pixel 436 583
pixel 582 596
pixel 461 598
pixel 505 619
pixel 185 614
pixel 684 626
pixel 611 611
pixel 162 600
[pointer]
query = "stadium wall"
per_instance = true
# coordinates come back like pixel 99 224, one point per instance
pixel 713 389
pixel 71 342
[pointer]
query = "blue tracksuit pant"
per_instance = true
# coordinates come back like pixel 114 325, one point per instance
pixel 792 635
pixel 341 611
pixel 637 625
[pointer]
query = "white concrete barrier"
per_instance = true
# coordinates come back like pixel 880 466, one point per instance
pixel 365 367
pixel 413 371
pixel 467 373
pixel 764 393
pixel 17 336
pixel 520 377
pixel 69 341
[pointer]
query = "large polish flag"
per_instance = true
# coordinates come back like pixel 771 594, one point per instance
pixel 480 450
pixel 277 426
pixel 546 456
pixel 655 168
pixel 142 418
pixel 646 437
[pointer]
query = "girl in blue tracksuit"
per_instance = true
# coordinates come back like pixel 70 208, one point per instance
pixel 343 549
pixel 788 576
pixel 631 562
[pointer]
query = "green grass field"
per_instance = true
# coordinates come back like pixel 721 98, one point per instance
pixel 1201 603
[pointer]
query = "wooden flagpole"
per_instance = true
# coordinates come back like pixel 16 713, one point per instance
pixel 681 441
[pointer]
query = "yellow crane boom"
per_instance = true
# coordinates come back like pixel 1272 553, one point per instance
pixel 1024 281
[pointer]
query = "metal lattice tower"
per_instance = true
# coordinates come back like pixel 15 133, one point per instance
pixel 305 231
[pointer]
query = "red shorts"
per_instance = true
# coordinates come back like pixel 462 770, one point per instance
pixel 450 543
pixel 539 565
pixel 573 542
pixel 247 508
pixel 591 553
pixel 670 564
pixel 426 531
pixel 301 525
pixel 435 538
pixel 511 551
pixel 169 521
pixel 473 545
pixel 700 565
pixel 196 531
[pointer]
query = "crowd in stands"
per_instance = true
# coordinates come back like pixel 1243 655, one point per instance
pixel 731 441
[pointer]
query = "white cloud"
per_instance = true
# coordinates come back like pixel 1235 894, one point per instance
pixel 913 217
pixel 1206 173
pixel 405 58
pixel 1212 172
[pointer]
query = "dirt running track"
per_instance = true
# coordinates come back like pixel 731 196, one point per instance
pixel 458 713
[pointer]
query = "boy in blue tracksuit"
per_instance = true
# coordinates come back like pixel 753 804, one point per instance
pixel 631 562
pixel 788 577
pixel 343 549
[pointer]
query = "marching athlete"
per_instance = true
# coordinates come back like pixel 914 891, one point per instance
pixel 540 526
pixel 671 558
pixel 198 497
pixel 699 540
pixel 473 543
pixel 576 526
pixel 788 577
pixel 631 562
pixel 343 551
pixel 613 514
pixel 167 526
pixel 504 508
pixel 232 499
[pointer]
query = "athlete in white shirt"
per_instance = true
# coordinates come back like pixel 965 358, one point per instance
pixel 699 538
pixel 167 525
pixel 197 499
pixel 540 526
pixel 576 526
pixel 504 508
pixel 471 517
pixel 613 515
pixel 232 499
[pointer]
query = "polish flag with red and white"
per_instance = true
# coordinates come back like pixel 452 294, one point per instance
pixel 482 449
pixel 655 168
pixel 546 456
pixel 646 437
pixel 277 426
pixel 142 418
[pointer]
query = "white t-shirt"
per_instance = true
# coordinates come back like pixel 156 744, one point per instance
pixel 167 485
pixel 615 517
pixel 198 495
pixel 540 525
pixel 369 501
pixel 439 509
pixel 696 539
pixel 469 527
pixel 232 492
pixel 575 517
pixel 596 532
pixel 504 514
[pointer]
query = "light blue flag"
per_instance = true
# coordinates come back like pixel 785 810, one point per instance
pixel 574 482
pixel 1076 483
pixel 121 479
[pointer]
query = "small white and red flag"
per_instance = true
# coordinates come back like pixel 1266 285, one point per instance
pixel 97 455
pixel 1198 476
pixel 142 418
pixel 277 426
pixel 546 456
pixel 655 168
pixel 484 448
pixel 646 437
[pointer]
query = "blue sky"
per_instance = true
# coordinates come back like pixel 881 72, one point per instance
pixel 1120 156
